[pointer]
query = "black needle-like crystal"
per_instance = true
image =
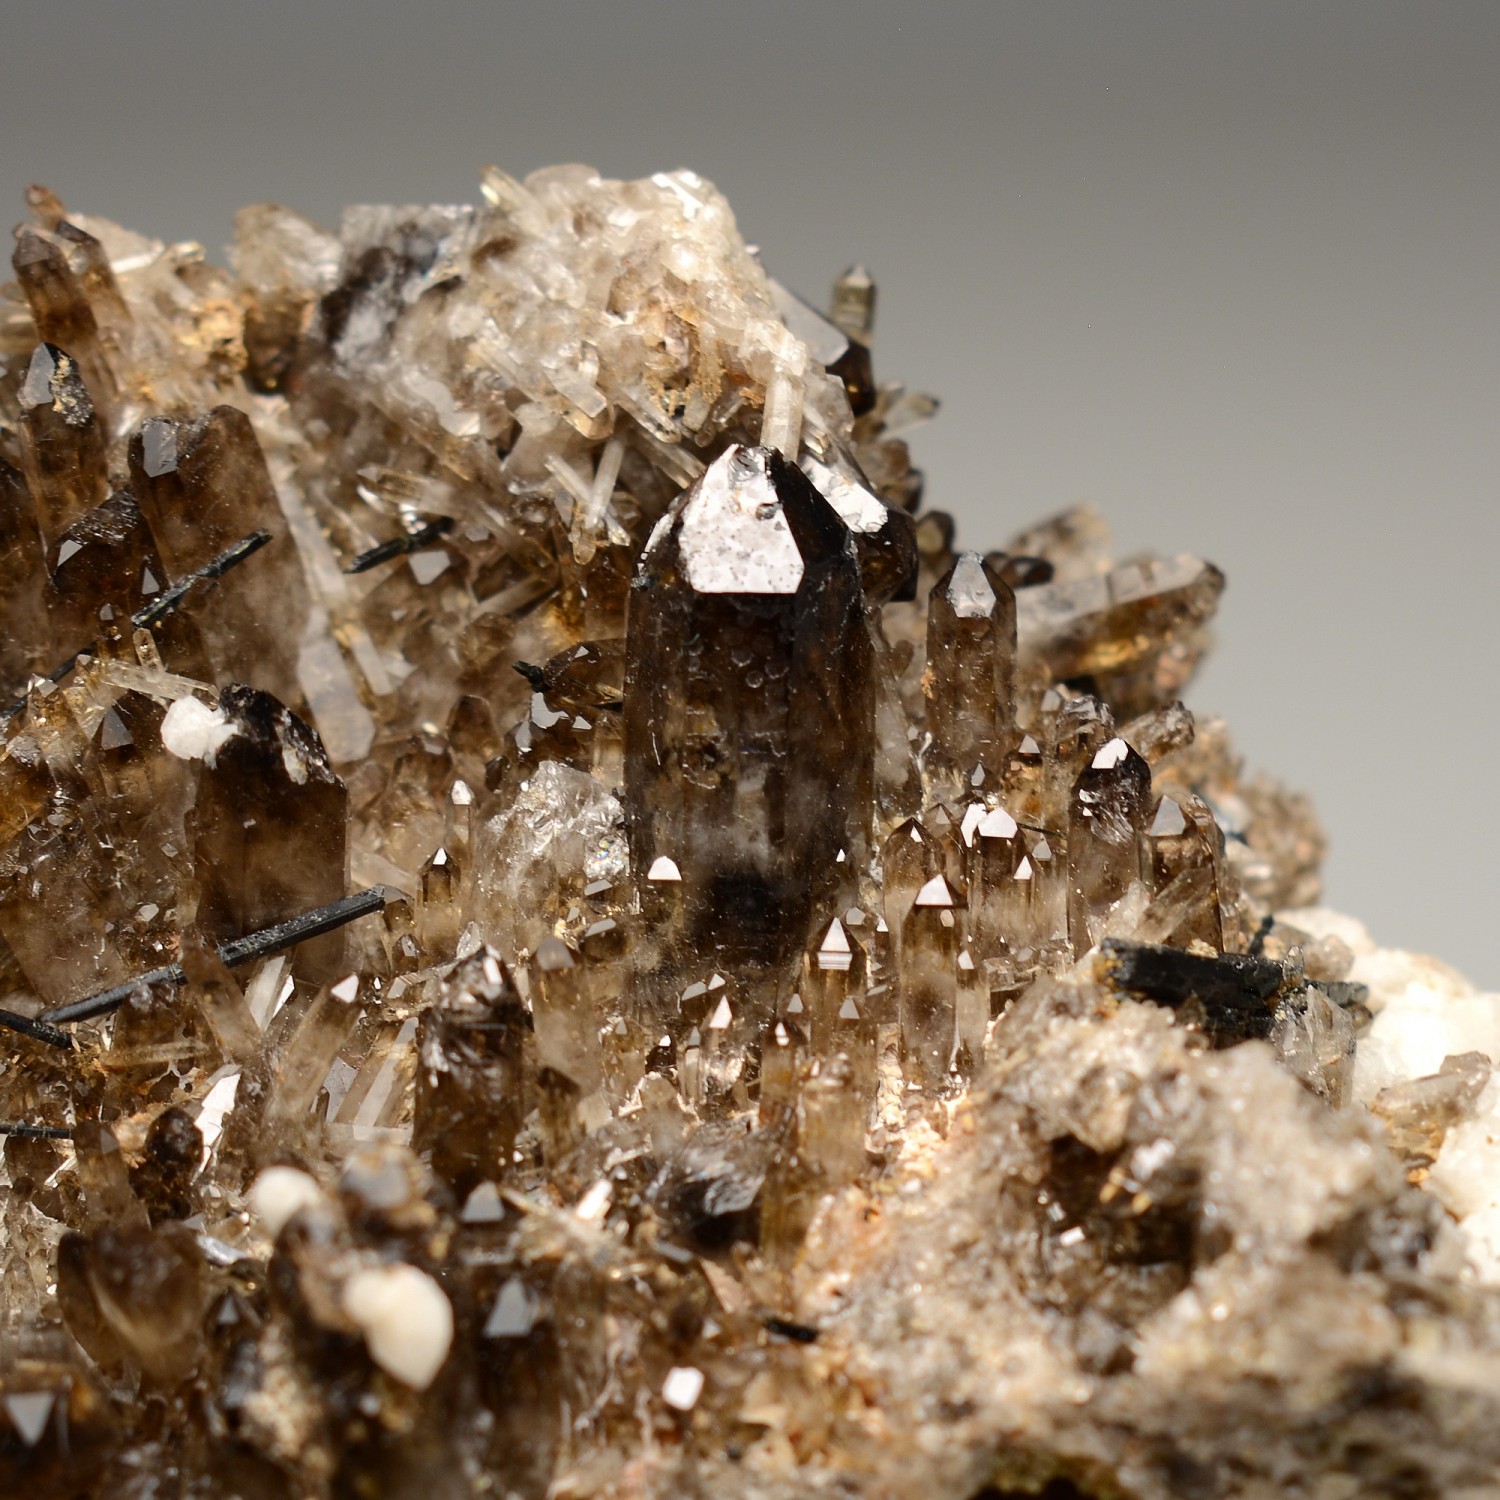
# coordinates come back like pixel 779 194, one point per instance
pixel 170 598
pixel 399 546
pixel 37 1030
pixel 163 605
pixel 233 954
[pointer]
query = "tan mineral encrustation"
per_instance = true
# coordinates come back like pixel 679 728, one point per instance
pixel 560 939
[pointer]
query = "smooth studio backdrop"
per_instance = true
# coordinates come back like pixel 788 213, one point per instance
pixel 1231 272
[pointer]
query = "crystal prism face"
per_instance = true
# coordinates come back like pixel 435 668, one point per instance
pixel 560 937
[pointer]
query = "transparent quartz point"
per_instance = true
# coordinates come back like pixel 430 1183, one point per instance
pixel 929 985
pixel 969 682
pixel 62 442
pixel 1108 817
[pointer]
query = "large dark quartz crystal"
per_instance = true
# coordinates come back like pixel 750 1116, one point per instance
pixel 749 718
pixel 558 939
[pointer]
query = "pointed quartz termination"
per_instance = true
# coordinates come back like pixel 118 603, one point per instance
pixel 105 567
pixel 852 309
pixel 59 303
pixel 1161 732
pixel 909 858
pixel 1136 632
pixel 884 537
pixel 833 976
pixel 104 1176
pixel 1072 732
pixel 1185 857
pixel 89 262
pixel 1001 883
pixel 929 985
pixel 275 1096
pixel 268 826
pixel 1107 824
pixel 203 484
pixel 780 1072
pixel 852 312
pixel 1418 1113
pixel 970 677
pixel 62 442
pixel 749 709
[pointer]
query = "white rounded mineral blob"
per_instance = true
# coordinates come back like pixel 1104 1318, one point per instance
pixel 192 730
pixel 279 1194
pixel 406 1319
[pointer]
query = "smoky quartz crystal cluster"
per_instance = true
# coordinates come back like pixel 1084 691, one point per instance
pixel 558 938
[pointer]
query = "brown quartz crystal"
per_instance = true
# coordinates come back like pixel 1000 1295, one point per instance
pixel 560 938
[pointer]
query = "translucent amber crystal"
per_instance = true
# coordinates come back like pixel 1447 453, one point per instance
pixel 268 826
pixel 62 444
pixel 203 484
pixel 748 708
pixel 471 1096
pixel 60 307
pixel 970 675
pixel 1107 820
pixel 27 646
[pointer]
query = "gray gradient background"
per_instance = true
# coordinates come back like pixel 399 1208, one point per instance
pixel 1230 271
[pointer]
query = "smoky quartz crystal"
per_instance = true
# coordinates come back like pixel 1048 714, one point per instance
pixel 560 937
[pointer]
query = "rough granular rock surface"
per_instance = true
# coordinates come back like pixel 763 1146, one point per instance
pixel 560 937
pixel 1114 1273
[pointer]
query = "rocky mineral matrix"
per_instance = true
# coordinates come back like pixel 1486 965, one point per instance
pixel 819 1015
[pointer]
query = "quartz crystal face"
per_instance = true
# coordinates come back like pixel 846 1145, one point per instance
pixel 559 936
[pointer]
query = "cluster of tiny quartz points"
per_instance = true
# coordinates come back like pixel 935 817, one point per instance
pixel 828 1018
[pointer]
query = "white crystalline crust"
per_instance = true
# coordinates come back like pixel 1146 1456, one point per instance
pixel 191 730
pixel 1426 1012
pixel 658 315
pixel 978 1292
